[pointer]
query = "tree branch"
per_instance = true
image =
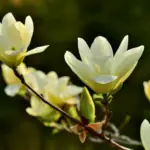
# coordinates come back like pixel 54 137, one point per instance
pixel 90 130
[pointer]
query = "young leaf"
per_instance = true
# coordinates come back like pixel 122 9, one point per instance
pixel 87 107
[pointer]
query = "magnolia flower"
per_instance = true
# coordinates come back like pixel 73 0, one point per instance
pixel 55 90
pixel 147 89
pixel 13 83
pixel 145 134
pixel 100 69
pixel 15 38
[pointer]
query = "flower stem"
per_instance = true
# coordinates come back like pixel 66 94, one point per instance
pixel 90 130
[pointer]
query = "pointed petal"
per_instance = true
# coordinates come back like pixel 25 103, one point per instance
pixel 84 50
pixel 145 134
pixel 30 27
pixel 123 46
pixel 62 83
pixel 13 37
pixel 52 79
pixel 128 73
pixel 7 21
pixel 37 50
pixel 147 89
pixel 72 90
pixel 12 90
pixel 104 79
pixel 122 65
pixel 101 47
pixel 83 71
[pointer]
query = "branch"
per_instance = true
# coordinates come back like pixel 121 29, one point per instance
pixel 90 130
pixel 107 111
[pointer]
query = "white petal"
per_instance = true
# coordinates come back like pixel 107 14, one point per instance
pixel 79 68
pixel 0 28
pixel 62 83
pixel 123 46
pixel 52 75
pixel 12 90
pixel 37 50
pixel 128 73
pixel 30 27
pixel 122 65
pixel 3 43
pixel 7 21
pixel 73 90
pixel 104 79
pixel 101 47
pixel 84 50
pixel 145 134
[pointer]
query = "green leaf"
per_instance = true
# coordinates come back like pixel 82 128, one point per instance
pixel 87 107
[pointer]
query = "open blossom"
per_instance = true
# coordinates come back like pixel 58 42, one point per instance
pixel 56 90
pixel 15 38
pixel 13 83
pixel 145 134
pixel 147 89
pixel 100 69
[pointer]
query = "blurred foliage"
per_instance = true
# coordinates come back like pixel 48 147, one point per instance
pixel 59 23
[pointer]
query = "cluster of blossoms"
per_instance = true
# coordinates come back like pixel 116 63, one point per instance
pixel 100 69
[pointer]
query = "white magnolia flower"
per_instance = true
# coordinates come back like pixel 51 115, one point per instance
pixel 15 38
pixel 100 69
pixel 145 134
pixel 59 92
pixel 55 90
pixel 147 89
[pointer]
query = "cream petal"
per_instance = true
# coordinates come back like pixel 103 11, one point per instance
pixel 12 90
pixel 31 112
pixel 79 68
pixel 147 89
pixel 72 90
pixel 123 46
pixel 128 73
pixel 101 47
pixel 104 79
pixel 23 33
pixel 145 134
pixel 52 75
pixel 84 50
pixel 7 21
pixel 37 79
pixel 126 62
pixel 0 28
pixel 3 43
pixel 37 50
pixel 13 37
pixel 30 27
pixel 62 83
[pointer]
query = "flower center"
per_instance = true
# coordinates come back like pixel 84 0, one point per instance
pixel 13 48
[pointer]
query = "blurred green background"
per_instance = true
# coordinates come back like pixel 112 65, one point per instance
pixel 59 23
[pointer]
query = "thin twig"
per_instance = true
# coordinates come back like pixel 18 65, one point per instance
pixel 107 111
pixel 90 130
